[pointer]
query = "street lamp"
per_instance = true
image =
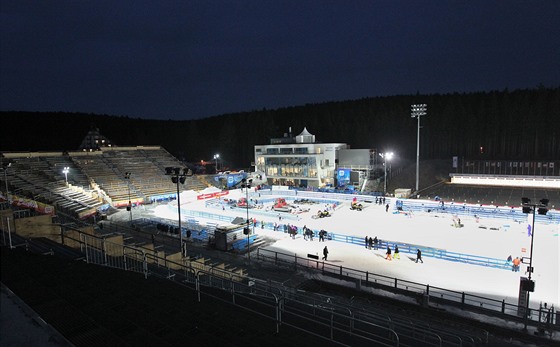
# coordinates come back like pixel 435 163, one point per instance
pixel 65 171
pixel 129 207
pixel 386 156
pixel 216 157
pixel 417 111
pixel 179 175
pixel 527 285
pixel 246 183
pixel 5 167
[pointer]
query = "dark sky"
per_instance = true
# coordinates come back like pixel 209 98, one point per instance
pixel 195 59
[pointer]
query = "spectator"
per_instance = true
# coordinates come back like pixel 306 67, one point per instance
pixel 388 253
pixel 516 262
pixel 325 253
pixel 419 256
pixel 396 255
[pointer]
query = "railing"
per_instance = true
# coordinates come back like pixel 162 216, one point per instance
pixel 263 300
pixel 409 288
pixel 339 323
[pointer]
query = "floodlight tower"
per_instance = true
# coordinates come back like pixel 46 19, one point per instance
pixel 216 157
pixel 417 111
pixel 246 183
pixel 65 171
pixel 129 207
pixel 527 285
pixel 5 167
pixel 386 156
pixel 179 175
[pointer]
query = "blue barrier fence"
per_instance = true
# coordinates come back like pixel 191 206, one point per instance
pixel 500 213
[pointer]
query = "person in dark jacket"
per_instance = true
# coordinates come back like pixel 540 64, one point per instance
pixel 419 256
pixel 396 255
pixel 375 242
pixel 325 253
pixel 388 253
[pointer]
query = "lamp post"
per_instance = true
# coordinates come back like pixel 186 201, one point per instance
pixel 246 183
pixel 5 167
pixel 179 175
pixel 216 157
pixel 386 156
pixel 65 171
pixel 129 207
pixel 417 111
pixel 529 286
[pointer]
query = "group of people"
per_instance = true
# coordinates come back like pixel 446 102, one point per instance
pixel 389 254
pixel 514 263
pixel 371 242
pixel 308 234
pixel 396 253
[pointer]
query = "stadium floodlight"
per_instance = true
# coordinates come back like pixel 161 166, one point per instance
pixel 386 157
pixel 528 286
pixel 246 183
pixel 179 175
pixel 5 167
pixel 65 171
pixel 216 157
pixel 417 111
pixel 129 207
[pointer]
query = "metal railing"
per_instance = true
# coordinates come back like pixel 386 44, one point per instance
pixel 413 289
pixel 283 306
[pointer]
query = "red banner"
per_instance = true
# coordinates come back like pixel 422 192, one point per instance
pixel 212 195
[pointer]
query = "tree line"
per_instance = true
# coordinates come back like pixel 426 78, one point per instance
pixel 500 125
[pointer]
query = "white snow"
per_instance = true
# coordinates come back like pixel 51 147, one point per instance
pixel 426 229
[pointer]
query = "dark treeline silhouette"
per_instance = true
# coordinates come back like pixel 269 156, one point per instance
pixel 520 124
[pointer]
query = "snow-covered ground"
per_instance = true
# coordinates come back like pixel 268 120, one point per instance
pixel 426 229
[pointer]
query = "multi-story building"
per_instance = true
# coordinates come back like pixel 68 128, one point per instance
pixel 298 161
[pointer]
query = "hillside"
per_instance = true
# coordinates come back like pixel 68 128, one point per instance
pixel 495 125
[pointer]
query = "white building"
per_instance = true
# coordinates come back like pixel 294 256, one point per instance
pixel 298 161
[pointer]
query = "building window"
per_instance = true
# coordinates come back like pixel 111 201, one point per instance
pixel 286 151
pixel 272 151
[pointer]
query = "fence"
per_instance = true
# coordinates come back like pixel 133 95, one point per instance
pixel 321 316
pixel 316 315
pixel 408 288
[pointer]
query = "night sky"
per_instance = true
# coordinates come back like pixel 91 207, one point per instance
pixel 195 59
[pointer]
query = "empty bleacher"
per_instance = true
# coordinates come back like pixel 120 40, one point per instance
pixel 95 178
pixel 491 195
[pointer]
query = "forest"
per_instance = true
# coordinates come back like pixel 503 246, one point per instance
pixel 497 125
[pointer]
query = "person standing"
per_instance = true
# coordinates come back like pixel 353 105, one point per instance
pixel 366 242
pixel 516 263
pixel 509 261
pixel 375 242
pixel 387 208
pixel 419 256
pixel 397 255
pixel 388 253
pixel 325 253
pixel 370 242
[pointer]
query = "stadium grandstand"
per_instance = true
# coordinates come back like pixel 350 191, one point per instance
pixel 95 179
pixel 99 177
pixel 491 186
